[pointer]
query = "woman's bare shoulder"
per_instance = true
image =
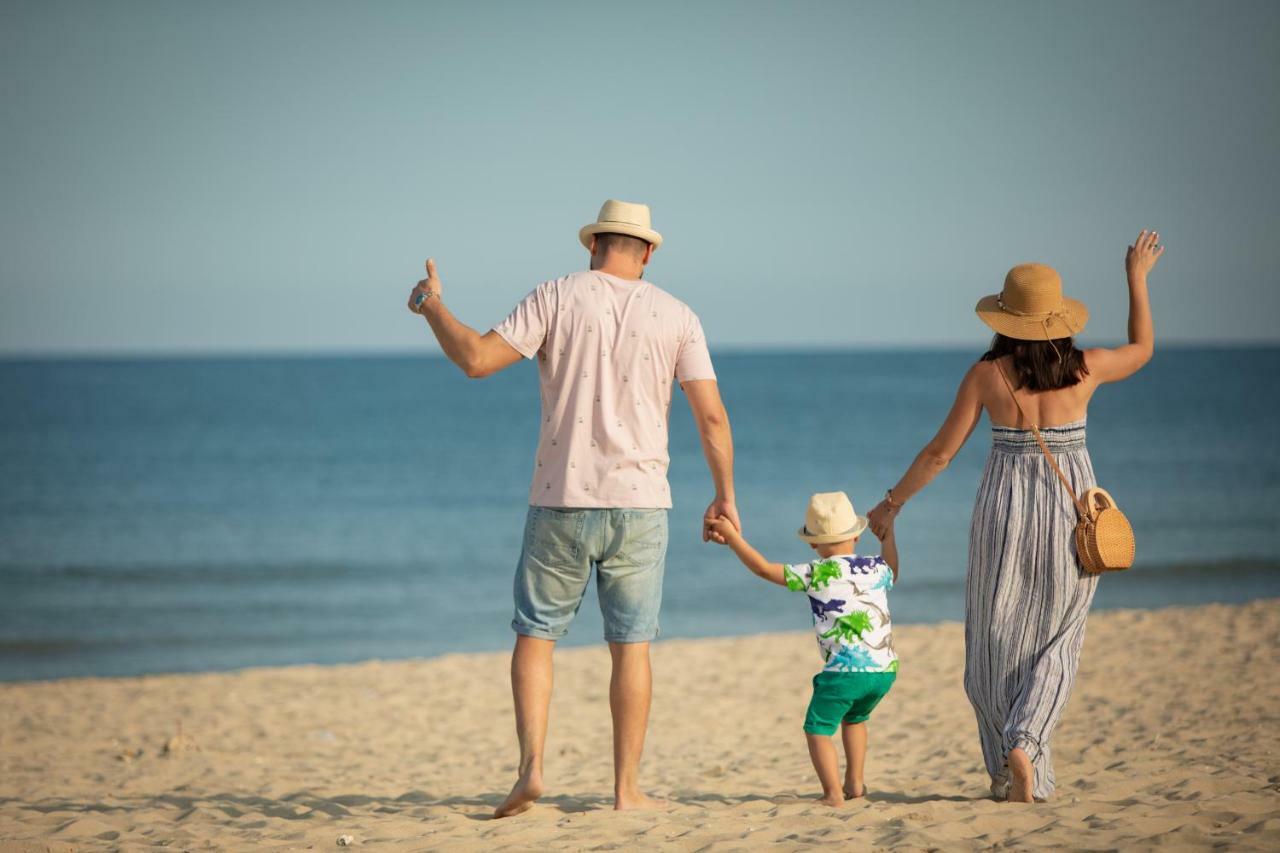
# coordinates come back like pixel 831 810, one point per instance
pixel 984 373
pixel 979 381
pixel 1095 359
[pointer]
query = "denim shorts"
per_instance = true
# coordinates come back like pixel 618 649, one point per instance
pixel 627 548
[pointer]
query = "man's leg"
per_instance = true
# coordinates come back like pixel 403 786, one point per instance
pixel 551 577
pixel 629 579
pixel 630 692
pixel 531 688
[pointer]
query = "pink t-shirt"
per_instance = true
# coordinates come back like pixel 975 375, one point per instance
pixel 608 349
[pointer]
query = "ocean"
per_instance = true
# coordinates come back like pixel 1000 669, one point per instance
pixel 197 514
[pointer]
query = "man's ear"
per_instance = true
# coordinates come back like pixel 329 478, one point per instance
pixel 592 248
pixel 648 253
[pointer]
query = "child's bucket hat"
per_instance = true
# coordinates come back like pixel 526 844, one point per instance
pixel 830 518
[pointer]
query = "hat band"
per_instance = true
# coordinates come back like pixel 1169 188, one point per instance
pixel 1045 318
pixel 849 532
pixel 1034 315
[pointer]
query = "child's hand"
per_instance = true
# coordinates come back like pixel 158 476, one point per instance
pixel 722 530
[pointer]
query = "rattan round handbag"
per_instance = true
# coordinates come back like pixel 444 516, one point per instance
pixel 1104 537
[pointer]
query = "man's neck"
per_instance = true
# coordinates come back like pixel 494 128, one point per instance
pixel 621 269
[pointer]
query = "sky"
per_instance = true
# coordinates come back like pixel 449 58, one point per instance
pixel 184 177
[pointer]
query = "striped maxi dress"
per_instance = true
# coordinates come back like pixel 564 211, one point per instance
pixel 1026 598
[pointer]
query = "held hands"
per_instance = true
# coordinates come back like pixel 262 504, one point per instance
pixel 882 518
pixel 1143 254
pixel 722 529
pixel 427 289
pixel 719 510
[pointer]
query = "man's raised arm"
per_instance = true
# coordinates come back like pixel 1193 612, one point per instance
pixel 717 445
pixel 476 354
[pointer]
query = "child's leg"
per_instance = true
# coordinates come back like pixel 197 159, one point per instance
pixel 827 763
pixel 855 756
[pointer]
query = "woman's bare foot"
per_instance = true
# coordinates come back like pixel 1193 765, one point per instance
pixel 635 801
pixel 1021 777
pixel 523 794
pixel 834 799
pixel 854 791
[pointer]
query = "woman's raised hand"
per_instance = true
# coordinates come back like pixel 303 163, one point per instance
pixel 1143 254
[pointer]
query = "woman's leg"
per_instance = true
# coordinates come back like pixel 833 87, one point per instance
pixel 1038 707
pixel 985 670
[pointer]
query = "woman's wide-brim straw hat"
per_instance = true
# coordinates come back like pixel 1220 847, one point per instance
pixel 1031 307
pixel 830 518
pixel 621 217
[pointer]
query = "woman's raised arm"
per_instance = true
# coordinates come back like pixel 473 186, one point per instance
pixel 1112 365
pixel 937 454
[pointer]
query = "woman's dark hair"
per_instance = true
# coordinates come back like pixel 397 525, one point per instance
pixel 1040 365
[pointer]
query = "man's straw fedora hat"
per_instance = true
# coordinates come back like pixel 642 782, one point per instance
pixel 621 217
pixel 1031 307
pixel 830 518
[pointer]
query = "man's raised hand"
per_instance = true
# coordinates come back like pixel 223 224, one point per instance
pixel 428 288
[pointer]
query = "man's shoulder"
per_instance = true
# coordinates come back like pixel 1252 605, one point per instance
pixel 672 306
pixel 561 282
pixel 667 297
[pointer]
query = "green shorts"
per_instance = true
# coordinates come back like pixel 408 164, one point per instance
pixel 844 697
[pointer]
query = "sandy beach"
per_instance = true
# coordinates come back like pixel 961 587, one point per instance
pixel 1171 739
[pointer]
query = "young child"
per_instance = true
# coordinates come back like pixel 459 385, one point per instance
pixel 847 596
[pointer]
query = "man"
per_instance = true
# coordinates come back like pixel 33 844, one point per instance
pixel 608 346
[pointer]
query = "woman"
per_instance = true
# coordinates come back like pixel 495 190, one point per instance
pixel 1026 598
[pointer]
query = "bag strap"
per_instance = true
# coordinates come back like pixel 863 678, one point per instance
pixel 1035 430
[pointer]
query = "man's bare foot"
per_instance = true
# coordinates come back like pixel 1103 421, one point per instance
pixel 1021 777
pixel 853 791
pixel 527 789
pixel 636 801
pixel 834 799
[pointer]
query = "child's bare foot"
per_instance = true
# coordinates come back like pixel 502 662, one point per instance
pixel 635 801
pixel 527 789
pixel 854 791
pixel 1021 777
pixel 834 799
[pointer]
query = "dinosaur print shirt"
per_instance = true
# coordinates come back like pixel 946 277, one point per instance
pixel 848 597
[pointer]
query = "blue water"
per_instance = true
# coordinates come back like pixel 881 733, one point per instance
pixel 205 514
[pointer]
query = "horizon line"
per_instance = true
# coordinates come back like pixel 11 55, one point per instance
pixel 433 353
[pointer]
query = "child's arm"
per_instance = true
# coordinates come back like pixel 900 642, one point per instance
pixel 750 557
pixel 889 550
